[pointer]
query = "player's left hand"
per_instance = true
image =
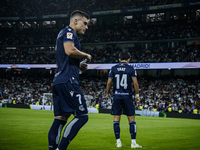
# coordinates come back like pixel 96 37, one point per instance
pixel 83 66
pixel 107 96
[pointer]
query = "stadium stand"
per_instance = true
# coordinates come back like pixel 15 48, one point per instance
pixel 22 8
pixel 32 40
pixel 141 33
pixel 107 54
pixel 106 34
pixel 160 93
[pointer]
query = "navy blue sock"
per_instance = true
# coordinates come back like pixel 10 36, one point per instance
pixel 116 128
pixel 71 131
pixel 132 129
pixel 54 133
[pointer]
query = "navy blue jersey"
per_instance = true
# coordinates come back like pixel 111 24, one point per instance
pixel 67 67
pixel 122 74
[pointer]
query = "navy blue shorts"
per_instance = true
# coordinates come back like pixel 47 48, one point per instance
pixel 68 99
pixel 123 106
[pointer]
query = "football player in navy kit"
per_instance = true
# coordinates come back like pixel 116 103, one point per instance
pixel 67 96
pixel 123 75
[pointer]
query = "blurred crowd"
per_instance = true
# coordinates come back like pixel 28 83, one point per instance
pixel 158 93
pixel 16 8
pixel 27 56
pixel 156 53
pixel 140 33
pixel 24 89
pixel 107 54
pixel 97 34
pixel 155 93
pixel 27 37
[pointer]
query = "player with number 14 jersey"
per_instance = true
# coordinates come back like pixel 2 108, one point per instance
pixel 122 75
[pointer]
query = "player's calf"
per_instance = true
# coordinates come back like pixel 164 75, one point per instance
pixel 55 132
pixel 71 131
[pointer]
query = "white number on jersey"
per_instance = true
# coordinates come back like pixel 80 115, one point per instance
pixel 123 82
pixel 79 98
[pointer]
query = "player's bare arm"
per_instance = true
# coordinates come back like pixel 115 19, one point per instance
pixel 136 87
pixel 109 83
pixel 73 52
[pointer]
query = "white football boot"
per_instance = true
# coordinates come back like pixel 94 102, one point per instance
pixel 135 145
pixel 118 144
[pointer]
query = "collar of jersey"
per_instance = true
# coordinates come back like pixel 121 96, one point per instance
pixel 69 27
pixel 123 62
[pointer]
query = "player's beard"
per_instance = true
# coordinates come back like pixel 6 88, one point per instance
pixel 82 32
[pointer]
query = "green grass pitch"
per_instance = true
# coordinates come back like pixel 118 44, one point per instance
pixel 26 129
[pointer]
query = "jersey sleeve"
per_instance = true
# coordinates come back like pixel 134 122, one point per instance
pixel 111 73
pixel 133 72
pixel 69 37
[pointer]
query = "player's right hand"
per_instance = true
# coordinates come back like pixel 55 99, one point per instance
pixel 88 57
pixel 83 66
pixel 137 99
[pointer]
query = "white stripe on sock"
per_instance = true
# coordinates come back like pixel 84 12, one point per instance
pixel 59 132
pixel 135 128
pixel 69 126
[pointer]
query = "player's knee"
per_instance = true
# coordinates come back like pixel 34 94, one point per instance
pixel 83 119
pixel 87 118
pixel 131 118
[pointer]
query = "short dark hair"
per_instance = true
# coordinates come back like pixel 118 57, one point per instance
pixel 81 13
pixel 124 55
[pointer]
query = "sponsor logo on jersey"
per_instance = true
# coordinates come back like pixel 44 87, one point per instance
pixel 118 93
pixel 69 35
